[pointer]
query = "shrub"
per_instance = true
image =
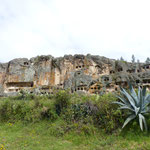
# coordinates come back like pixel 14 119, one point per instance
pixel 27 111
pixel 62 100
pixel 82 111
pixel 97 110
pixel 108 117
pixel 73 109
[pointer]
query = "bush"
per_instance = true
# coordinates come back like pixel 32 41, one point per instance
pixel 80 112
pixel 27 111
pixel 77 111
pixel 62 101
pixel 108 117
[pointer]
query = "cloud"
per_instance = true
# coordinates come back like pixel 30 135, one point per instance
pixel 107 28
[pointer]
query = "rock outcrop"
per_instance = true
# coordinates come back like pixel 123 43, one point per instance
pixel 89 74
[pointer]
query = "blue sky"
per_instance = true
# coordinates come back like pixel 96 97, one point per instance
pixel 111 28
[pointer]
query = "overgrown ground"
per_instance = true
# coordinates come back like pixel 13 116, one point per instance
pixel 40 136
pixel 67 122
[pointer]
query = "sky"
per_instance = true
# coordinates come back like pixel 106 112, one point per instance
pixel 110 28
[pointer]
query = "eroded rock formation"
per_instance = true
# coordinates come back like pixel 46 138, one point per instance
pixel 90 74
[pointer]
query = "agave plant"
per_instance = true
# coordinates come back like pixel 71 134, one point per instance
pixel 137 104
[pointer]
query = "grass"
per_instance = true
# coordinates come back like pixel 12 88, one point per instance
pixel 67 122
pixel 48 136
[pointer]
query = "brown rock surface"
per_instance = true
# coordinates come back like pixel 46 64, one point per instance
pixel 89 74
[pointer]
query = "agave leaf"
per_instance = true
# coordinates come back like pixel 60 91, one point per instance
pixel 131 117
pixel 145 110
pixel 133 94
pixel 145 105
pixel 136 100
pixel 119 103
pixel 130 86
pixel 147 97
pixel 126 107
pixel 140 98
pixel 137 110
pixel 145 124
pixel 139 92
pixel 141 121
pixel 146 101
pixel 144 91
pixel 130 99
pixel 123 100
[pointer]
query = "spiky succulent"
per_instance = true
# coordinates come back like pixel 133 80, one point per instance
pixel 137 104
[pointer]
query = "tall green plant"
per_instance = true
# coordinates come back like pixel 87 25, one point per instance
pixel 137 105
pixel 62 100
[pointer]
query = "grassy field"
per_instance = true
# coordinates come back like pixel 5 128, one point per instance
pixel 48 136
pixel 68 122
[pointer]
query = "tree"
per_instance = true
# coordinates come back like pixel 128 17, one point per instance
pixel 133 59
pixel 121 58
pixel 147 60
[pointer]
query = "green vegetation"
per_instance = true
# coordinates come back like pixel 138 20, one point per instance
pixel 50 136
pixel 67 121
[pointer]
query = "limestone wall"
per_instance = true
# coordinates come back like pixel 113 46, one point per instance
pixel 90 74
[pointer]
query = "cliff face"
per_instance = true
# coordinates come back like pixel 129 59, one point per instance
pixel 90 74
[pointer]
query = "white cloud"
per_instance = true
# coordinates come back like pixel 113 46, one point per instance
pixel 108 28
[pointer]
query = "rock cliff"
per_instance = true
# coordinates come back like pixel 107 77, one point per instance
pixel 79 73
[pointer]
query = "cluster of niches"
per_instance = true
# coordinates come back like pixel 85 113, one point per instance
pixel 49 89
pixel 83 88
pixel 143 68
pixel 95 87
pixel 92 89
pixel 145 81
pixel 80 66
pixel 26 63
